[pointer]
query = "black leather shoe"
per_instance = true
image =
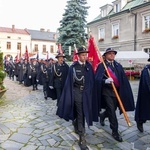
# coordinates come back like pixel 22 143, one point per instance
pixel 117 136
pixel 75 127
pixel 140 126
pixel 102 119
pixel 82 143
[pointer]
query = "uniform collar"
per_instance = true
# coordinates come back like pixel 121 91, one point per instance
pixel 81 63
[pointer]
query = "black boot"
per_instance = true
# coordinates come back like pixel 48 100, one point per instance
pixel 33 88
pixel 102 118
pixel 74 123
pixel 117 136
pixel 140 126
pixel 82 143
pixel 45 95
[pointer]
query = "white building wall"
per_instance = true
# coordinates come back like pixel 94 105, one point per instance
pixel 40 46
pixel 14 39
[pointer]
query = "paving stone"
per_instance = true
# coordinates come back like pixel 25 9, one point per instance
pixel 11 145
pixel 29 147
pixel 44 142
pixel 31 122
pixel 44 137
pixel 55 137
pixel 20 138
pixel 25 130
pixel 4 137
pixel 4 129
pixel 51 141
pixel 41 148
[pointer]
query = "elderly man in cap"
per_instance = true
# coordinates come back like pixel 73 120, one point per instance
pixel 105 93
pixel 58 75
pixel 76 102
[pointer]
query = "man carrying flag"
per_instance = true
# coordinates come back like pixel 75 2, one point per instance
pixel 105 93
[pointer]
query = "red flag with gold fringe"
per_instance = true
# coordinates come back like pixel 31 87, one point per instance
pixel 93 55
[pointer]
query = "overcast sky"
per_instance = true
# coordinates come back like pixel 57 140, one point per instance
pixel 36 14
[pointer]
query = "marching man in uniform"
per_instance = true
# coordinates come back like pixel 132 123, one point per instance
pixel 58 75
pixel 76 101
pixel 105 93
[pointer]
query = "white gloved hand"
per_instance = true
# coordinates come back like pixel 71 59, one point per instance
pixel 29 77
pixel 37 80
pixel 109 81
pixel 51 87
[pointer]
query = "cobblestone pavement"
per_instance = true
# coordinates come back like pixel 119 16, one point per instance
pixel 28 122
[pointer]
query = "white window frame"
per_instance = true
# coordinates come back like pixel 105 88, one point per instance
pixel 143 21
pixel 114 31
pixel 117 9
pixel 148 52
pixel 102 33
pixel 103 12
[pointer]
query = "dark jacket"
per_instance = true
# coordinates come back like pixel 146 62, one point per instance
pixel 66 105
pixel 56 81
pixel 142 111
pixel 124 90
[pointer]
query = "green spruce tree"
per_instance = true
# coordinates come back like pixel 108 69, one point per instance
pixel 73 25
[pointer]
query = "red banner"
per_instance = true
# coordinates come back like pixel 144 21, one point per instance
pixel 93 55
pixel 26 54
pixel 75 57
pixel 60 49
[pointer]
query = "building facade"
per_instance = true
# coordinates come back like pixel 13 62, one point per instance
pixel 43 41
pixel 14 41
pixel 124 25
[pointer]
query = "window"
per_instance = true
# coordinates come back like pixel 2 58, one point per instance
pixel 117 8
pixel 19 46
pixel 8 37
pixel 146 23
pixel 147 50
pixel 51 49
pixel 101 34
pixel 19 38
pixel 103 12
pixel 9 45
pixel 44 48
pixel 36 47
pixel 115 30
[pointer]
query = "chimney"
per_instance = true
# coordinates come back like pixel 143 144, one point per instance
pixel 48 30
pixel 13 27
pixel 42 29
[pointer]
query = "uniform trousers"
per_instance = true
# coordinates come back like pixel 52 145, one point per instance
pixel 78 110
pixel 110 112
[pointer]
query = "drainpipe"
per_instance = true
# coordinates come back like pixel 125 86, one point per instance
pixel 135 28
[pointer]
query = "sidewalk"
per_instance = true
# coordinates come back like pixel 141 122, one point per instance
pixel 28 122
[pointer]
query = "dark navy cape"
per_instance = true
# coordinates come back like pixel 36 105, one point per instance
pixel 142 111
pixel 124 91
pixel 90 106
